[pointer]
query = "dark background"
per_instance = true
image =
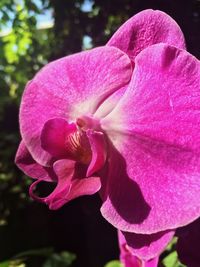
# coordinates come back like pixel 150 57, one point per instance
pixel 77 227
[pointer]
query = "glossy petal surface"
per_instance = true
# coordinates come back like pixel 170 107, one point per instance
pixel 155 127
pixel 145 29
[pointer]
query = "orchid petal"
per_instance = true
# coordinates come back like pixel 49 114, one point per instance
pixel 148 192
pixel 54 136
pixel 163 98
pixel 30 167
pixel 145 29
pixel 68 88
pixel 157 135
pixel 67 187
pixel 133 257
pixel 58 197
pixel 147 247
pixel 98 147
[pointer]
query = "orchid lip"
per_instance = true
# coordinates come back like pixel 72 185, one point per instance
pixel 80 142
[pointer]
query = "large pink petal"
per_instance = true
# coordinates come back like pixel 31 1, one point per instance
pixel 163 98
pixel 153 188
pixel 69 88
pixel 145 29
pixel 30 167
pixel 155 127
pixel 142 30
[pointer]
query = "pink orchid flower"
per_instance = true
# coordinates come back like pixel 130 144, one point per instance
pixel 129 259
pixel 123 120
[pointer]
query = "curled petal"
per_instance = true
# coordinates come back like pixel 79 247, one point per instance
pixel 69 88
pixel 67 187
pixel 145 29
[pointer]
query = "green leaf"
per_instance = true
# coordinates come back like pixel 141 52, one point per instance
pixel 63 259
pixel 12 263
pixel 172 260
pixel 35 252
pixel 4 264
pixel 114 263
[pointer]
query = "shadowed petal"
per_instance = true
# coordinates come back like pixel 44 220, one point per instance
pixel 147 247
pixel 134 258
pixel 159 190
pixel 145 29
pixel 155 127
pixel 68 88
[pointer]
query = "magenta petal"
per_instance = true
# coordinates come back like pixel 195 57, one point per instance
pixel 67 187
pixel 78 186
pixel 145 29
pixel 99 151
pixel 69 88
pixel 55 199
pixel 64 170
pixel 84 186
pixel 148 246
pixel 27 164
pixel 54 136
pixel 155 127
pixel 131 258
pixel 159 189
pixel 162 101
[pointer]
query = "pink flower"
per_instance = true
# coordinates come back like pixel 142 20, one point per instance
pixel 122 119
pixel 129 259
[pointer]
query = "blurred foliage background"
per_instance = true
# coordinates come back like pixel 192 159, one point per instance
pixel 33 33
